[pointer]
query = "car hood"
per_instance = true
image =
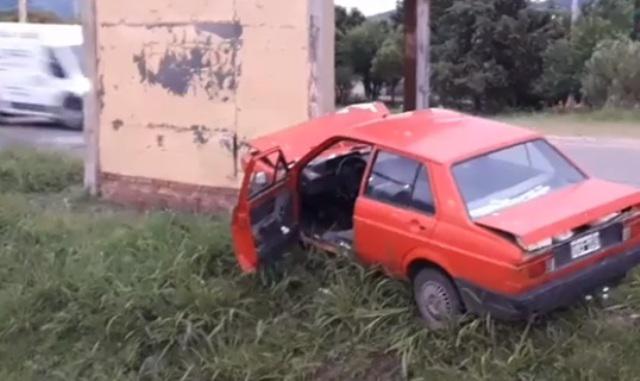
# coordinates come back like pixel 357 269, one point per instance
pixel 297 141
pixel 562 210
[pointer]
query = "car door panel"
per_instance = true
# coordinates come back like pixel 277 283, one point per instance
pixel 396 213
pixel 384 233
pixel 265 223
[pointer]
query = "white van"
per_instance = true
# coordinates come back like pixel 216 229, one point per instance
pixel 40 73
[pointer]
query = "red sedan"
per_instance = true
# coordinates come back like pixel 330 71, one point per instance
pixel 482 217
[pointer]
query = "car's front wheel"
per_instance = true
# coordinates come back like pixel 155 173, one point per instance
pixel 437 299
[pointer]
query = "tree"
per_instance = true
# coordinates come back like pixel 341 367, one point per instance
pixel 636 21
pixel 487 54
pixel 348 19
pixel 345 22
pixel 388 64
pixel 612 75
pixel 359 48
pixel 565 59
pixel 398 16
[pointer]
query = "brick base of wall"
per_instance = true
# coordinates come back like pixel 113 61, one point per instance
pixel 144 193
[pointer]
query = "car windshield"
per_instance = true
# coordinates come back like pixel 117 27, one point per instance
pixel 502 179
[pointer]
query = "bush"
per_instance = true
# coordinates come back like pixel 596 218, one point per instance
pixel 28 171
pixel 612 75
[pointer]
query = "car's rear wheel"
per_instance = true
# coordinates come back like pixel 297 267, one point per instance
pixel 437 299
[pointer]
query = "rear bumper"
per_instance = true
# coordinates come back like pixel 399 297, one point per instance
pixel 551 296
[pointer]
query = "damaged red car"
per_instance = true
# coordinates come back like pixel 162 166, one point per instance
pixel 482 217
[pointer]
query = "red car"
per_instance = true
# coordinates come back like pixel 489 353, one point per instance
pixel 482 217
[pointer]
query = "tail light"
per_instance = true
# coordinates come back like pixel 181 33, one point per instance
pixel 540 266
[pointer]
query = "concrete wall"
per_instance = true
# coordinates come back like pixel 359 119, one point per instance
pixel 185 83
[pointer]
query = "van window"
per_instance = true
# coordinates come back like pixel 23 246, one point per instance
pixel 55 67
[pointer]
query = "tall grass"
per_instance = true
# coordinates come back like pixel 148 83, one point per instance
pixel 115 295
pixel 28 171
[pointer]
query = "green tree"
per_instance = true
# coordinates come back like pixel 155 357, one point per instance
pixel 347 19
pixel 345 22
pixel 612 75
pixel 388 64
pixel 565 59
pixel 636 21
pixel 487 54
pixel 359 48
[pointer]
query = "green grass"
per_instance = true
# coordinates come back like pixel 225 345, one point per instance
pixel 93 292
pixel 23 170
pixel 605 122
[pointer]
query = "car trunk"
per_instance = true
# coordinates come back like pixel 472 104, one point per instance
pixel 556 213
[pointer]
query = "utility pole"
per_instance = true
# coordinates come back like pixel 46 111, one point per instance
pixel 91 99
pixel 417 54
pixel 22 11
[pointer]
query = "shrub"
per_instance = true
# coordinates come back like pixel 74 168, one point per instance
pixel 612 75
pixel 28 171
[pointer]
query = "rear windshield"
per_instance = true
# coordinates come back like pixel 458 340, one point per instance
pixel 505 178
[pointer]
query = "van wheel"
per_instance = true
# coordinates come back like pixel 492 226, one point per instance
pixel 437 299
pixel 71 114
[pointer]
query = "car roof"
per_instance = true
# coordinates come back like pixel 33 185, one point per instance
pixel 440 135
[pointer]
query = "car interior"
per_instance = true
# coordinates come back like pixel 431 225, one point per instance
pixel 329 187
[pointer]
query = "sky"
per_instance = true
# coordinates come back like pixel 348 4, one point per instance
pixel 369 7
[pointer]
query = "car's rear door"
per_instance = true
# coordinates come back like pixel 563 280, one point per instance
pixel 396 212
pixel 265 223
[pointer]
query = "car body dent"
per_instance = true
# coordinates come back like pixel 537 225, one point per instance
pixel 562 210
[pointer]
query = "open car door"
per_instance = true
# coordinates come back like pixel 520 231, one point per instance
pixel 265 223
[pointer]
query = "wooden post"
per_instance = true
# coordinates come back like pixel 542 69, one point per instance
pixel 22 11
pixel 92 100
pixel 417 54
pixel 423 59
pixel 410 19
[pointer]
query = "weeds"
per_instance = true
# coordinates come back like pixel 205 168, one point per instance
pixel 90 293
pixel 28 171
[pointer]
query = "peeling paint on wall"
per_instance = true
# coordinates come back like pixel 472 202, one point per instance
pixel 208 61
pixel 202 135
pixel 188 82
pixel 117 124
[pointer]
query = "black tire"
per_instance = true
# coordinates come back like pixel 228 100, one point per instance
pixel 71 113
pixel 437 299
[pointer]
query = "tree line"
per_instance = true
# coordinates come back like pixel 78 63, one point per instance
pixel 493 56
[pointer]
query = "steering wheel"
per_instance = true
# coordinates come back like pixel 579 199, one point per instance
pixel 349 174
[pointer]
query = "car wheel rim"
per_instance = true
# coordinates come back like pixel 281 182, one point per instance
pixel 435 301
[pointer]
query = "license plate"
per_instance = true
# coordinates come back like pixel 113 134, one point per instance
pixel 585 245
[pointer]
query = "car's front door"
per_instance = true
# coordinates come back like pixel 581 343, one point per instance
pixel 265 223
pixel 396 212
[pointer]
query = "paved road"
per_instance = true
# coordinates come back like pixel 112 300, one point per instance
pixel 609 158
pixel 44 136
pixel 612 159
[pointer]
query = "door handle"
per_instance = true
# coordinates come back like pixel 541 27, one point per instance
pixel 417 226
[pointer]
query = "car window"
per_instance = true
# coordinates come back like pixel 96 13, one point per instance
pixel 270 170
pixel 400 181
pixel 422 195
pixel 514 175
